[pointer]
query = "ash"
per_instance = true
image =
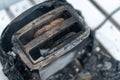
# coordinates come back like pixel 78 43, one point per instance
pixel 90 66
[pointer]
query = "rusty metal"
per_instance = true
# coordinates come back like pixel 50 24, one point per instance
pixel 49 26
pixel 57 21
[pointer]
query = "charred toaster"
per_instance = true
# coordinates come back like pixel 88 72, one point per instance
pixel 51 41
pixel 49 37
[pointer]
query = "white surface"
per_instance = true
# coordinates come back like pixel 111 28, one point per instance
pixel 38 1
pixel 4 20
pixel 6 3
pixel 117 17
pixel 92 16
pixel 109 5
pixel 20 7
pixel 2 76
pixel 109 36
